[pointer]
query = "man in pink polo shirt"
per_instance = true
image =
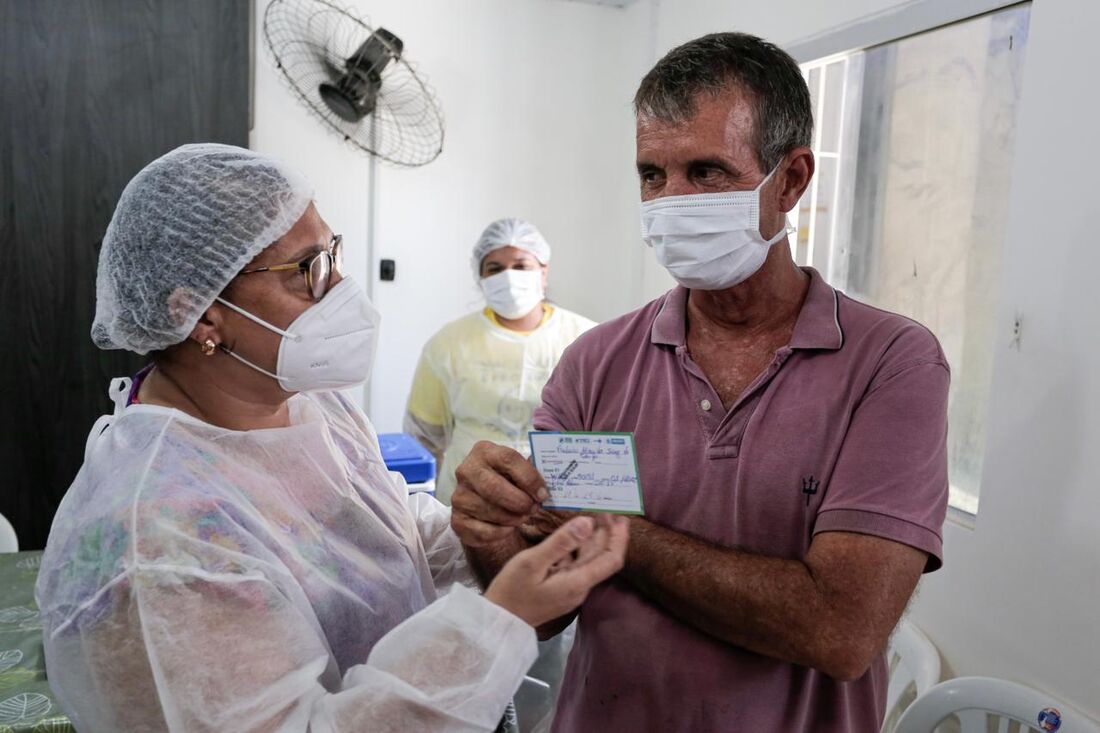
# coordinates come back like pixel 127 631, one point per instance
pixel 791 440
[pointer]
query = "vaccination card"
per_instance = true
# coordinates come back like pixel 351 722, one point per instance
pixel 590 472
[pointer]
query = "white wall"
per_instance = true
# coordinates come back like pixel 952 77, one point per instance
pixel 1019 595
pixel 282 127
pixel 536 96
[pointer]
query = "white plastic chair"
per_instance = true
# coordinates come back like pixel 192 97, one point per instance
pixel 974 700
pixel 914 669
pixel 9 542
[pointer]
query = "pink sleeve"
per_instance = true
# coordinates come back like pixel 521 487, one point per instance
pixel 890 478
pixel 561 398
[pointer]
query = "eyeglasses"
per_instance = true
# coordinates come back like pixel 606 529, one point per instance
pixel 318 268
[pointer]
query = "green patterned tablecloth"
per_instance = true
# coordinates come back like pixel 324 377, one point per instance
pixel 26 702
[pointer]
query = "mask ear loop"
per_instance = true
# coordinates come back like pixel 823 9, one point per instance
pixel 782 233
pixel 255 319
pixel 787 228
pixel 769 176
pixel 226 350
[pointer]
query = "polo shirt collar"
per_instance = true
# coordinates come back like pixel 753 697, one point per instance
pixel 818 324
pixel 817 327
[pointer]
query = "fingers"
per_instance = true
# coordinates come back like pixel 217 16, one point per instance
pixel 557 549
pixel 606 556
pixel 546 521
pixel 475 506
pixel 475 533
pixel 619 541
pixel 520 472
pixel 533 533
pixel 595 544
pixel 483 480
pixel 502 477
pixel 561 516
pixel 544 582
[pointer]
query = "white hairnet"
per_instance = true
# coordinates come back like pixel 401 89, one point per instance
pixel 510 232
pixel 183 228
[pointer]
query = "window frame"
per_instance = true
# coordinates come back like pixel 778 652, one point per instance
pixel 844 43
pixel 902 21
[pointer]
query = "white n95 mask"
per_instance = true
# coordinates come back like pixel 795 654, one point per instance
pixel 330 346
pixel 709 241
pixel 513 293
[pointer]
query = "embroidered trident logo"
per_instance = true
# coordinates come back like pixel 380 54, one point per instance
pixel 809 488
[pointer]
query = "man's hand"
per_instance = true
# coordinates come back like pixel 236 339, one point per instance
pixel 498 491
pixel 543 523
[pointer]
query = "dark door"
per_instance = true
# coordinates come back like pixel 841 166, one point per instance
pixel 92 91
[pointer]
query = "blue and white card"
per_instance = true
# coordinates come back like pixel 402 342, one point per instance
pixel 589 472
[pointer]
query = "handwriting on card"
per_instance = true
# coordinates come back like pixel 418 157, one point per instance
pixel 589 471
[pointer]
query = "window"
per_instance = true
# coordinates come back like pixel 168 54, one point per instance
pixel 914 141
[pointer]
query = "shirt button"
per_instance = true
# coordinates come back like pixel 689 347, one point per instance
pixel 705 404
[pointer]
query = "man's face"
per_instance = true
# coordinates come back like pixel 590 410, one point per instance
pixel 710 153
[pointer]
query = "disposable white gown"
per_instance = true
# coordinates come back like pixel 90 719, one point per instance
pixel 202 579
pixel 477 380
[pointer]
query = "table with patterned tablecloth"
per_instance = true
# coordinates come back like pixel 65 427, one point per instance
pixel 27 704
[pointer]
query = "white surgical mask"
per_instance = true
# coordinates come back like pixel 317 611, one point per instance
pixel 330 346
pixel 513 293
pixel 709 241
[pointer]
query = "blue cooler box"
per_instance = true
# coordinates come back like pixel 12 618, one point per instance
pixel 404 454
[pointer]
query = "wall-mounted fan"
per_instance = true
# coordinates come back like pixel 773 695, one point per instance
pixel 355 79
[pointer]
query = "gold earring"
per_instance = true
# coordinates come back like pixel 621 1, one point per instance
pixel 208 347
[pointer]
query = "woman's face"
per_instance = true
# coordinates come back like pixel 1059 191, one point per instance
pixel 512 258
pixel 276 297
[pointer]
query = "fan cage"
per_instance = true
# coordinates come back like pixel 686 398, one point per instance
pixel 311 41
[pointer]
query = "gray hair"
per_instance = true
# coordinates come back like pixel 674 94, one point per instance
pixel 782 116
